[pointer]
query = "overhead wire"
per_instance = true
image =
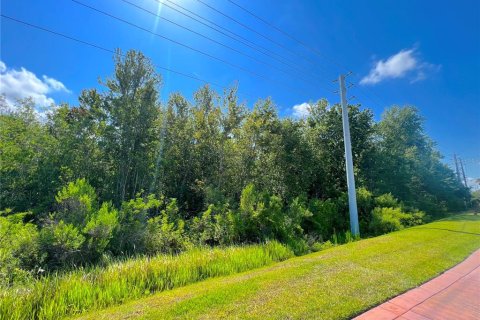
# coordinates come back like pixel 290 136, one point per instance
pixel 220 29
pixel 317 52
pixel 235 36
pixel 286 34
pixel 186 46
pixel 96 46
pixel 212 40
pixel 284 47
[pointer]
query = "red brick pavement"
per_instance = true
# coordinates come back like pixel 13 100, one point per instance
pixel 454 295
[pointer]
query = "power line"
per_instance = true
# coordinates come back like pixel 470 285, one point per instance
pixel 288 35
pixel 242 39
pixel 217 27
pixel 333 61
pixel 235 36
pixel 184 45
pixel 258 33
pixel 107 50
pixel 210 39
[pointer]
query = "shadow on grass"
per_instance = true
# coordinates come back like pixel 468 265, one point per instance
pixel 457 218
pixel 462 217
pixel 457 231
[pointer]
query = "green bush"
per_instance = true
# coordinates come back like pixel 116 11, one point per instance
pixel 130 236
pixel 164 235
pixel 99 230
pixel 365 205
pixel 259 215
pixel 386 200
pixel 63 243
pixel 75 202
pixel 80 230
pixel 414 218
pixel 262 216
pixel 215 226
pixel 19 249
pixel 386 220
pixel 298 245
pixel 326 215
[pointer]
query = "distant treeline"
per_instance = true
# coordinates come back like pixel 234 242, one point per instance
pixel 122 173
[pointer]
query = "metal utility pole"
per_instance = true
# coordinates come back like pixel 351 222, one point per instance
pixel 352 196
pixel 463 173
pixel 456 167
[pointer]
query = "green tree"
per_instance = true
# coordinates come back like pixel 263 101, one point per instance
pixel 131 110
pixel 325 136
pixel 410 166
pixel 28 175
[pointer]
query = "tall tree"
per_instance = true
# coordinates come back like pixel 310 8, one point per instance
pixel 410 165
pixel 132 111
pixel 325 136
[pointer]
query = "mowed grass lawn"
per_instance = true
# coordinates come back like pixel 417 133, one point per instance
pixel 337 283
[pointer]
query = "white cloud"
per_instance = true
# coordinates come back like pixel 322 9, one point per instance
pixel 301 110
pixel 406 62
pixel 20 84
pixel 55 84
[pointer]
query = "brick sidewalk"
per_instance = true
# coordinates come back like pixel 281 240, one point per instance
pixel 454 295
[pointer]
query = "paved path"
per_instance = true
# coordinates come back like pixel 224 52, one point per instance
pixel 454 295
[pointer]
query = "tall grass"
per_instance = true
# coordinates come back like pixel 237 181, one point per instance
pixel 58 296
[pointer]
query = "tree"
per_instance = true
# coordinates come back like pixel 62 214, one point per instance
pixel 410 166
pixel 325 136
pixel 80 135
pixel 28 175
pixel 177 171
pixel 131 109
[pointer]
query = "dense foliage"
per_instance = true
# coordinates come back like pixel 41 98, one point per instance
pixel 124 174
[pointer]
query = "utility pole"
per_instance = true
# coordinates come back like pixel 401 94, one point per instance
pixel 463 173
pixel 352 196
pixel 456 167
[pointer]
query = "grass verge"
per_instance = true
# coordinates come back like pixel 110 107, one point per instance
pixel 337 283
pixel 56 297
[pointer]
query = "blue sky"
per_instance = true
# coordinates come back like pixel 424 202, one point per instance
pixel 421 53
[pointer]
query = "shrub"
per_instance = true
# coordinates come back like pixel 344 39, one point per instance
pixel 386 220
pixel 259 215
pixel 296 213
pixel 316 246
pixel 386 200
pixel 130 236
pixel 19 249
pixel 365 204
pixel 164 236
pixel 414 218
pixel 75 202
pixel 166 233
pixel 324 218
pixel 62 242
pixel 100 228
pixel 215 226
pixel 225 232
pixel 262 216
pixel 298 245
pixel 80 230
